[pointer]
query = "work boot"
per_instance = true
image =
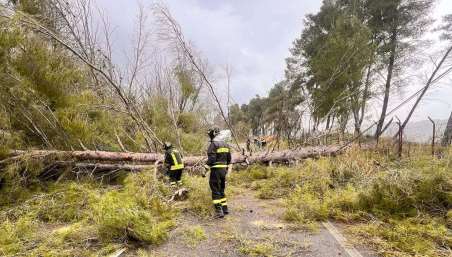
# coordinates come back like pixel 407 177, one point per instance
pixel 225 209
pixel 219 212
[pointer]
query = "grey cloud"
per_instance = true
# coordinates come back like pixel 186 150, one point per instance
pixel 252 36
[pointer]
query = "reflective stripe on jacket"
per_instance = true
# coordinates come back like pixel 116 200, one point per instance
pixel 218 155
pixel 173 159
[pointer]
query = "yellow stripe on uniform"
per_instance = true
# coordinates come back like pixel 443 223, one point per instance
pixel 223 201
pixel 217 201
pixel 223 150
pixel 220 166
pixel 177 165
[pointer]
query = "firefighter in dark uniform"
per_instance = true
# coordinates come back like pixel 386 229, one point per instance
pixel 174 164
pixel 218 160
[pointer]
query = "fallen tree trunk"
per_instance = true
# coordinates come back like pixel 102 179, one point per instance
pixel 150 158
pixel 99 163
pixel 88 155
pixel 193 164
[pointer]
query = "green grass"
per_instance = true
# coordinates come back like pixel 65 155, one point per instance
pixel 194 235
pixel 257 249
pixel 399 207
pixel 84 218
pixel 407 237
pixel 200 196
pixel 362 187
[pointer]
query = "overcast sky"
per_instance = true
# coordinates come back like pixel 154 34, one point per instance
pixel 253 37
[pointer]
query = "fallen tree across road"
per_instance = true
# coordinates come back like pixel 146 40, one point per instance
pixel 119 158
pixel 56 164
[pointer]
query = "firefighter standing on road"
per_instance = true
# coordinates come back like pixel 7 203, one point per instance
pixel 174 164
pixel 218 160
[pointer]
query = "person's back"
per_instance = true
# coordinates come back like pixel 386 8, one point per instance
pixel 218 160
pixel 218 155
pixel 174 164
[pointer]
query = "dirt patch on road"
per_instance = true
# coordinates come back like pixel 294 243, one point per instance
pixel 253 228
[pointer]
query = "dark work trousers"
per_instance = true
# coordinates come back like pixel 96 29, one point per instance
pixel 175 176
pixel 217 184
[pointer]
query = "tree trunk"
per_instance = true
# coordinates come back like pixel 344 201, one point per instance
pixel 328 122
pixel 388 83
pixel 365 95
pixel 137 161
pixel 427 86
pixel 447 138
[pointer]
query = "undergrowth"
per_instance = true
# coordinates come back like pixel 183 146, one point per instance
pixel 403 207
pixel 194 235
pixel 400 207
pixel 200 196
pixel 81 218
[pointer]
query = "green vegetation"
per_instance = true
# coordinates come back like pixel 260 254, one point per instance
pixel 417 236
pixel 258 249
pixel 85 218
pixel 51 99
pixel 194 235
pixel 200 196
pixel 399 207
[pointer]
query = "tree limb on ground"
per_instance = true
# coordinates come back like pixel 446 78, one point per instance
pixel 107 161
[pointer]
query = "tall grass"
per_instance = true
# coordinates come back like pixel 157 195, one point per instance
pixel 364 186
pixel 82 218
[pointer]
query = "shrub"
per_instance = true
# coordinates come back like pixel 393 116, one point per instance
pixel 16 236
pixel 259 249
pixel 412 236
pixel 304 207
pixel 406 192
pixel 194 235
pixel 280 183
pixel 120 216
pixel 136 212
pixel 148 193
pixel 65 202
pixel 200 196
pixel 192 143
pixel 251 174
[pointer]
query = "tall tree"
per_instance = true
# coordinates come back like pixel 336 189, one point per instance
pixel 329 62
pixel 281 110
pixel 394 23
pixel 447 138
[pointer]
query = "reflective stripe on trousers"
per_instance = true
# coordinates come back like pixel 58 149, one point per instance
pixel 222 201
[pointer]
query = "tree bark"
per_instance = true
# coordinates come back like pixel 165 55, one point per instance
pixel 388 83
pixel 137 161
pixel 88 155
pixel 447 138
pixel 427 86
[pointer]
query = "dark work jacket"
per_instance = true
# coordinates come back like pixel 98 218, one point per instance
pixel 218 154
pixel 173 160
